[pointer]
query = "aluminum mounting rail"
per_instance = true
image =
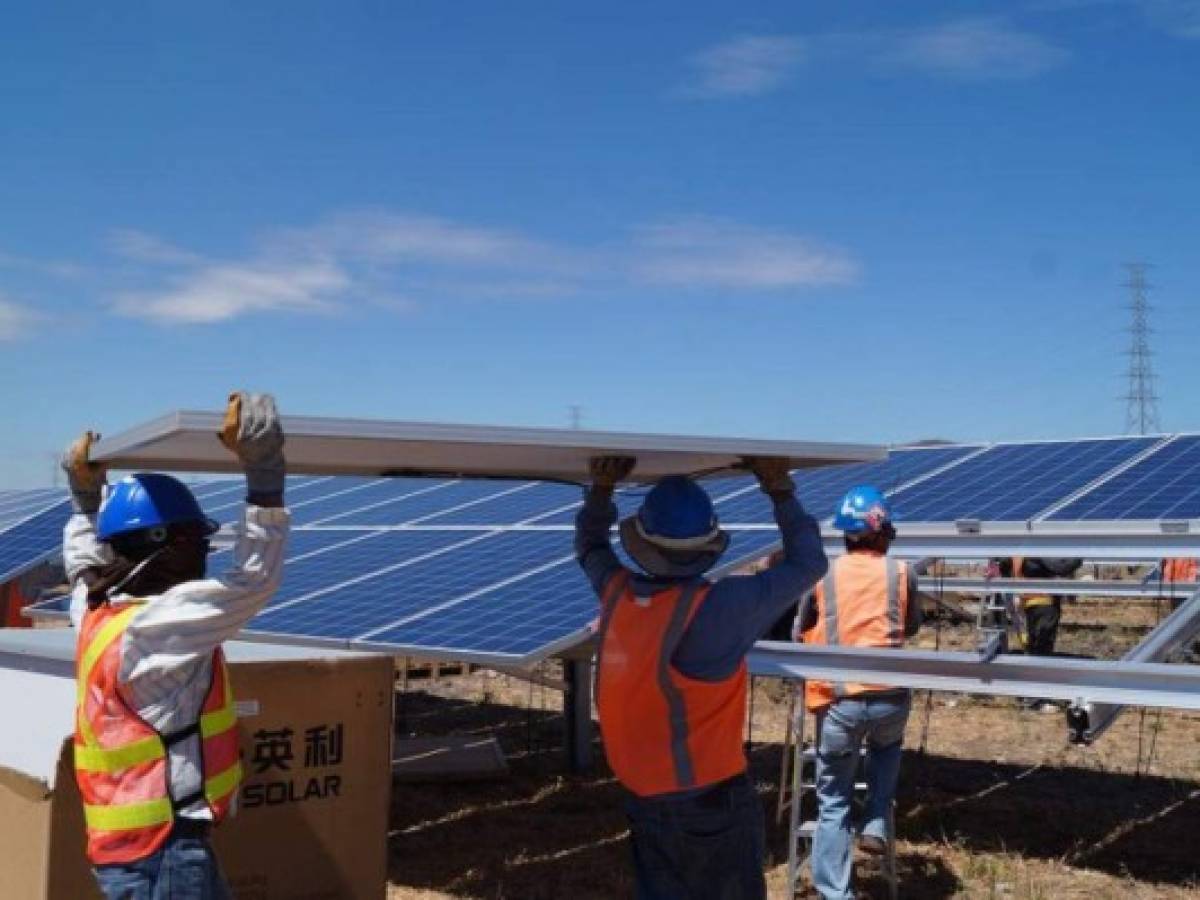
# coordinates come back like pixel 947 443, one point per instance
pixel 1067 586
pixel 1088 720
pixel 1052 678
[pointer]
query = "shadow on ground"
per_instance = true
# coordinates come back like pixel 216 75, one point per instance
pixel 541 833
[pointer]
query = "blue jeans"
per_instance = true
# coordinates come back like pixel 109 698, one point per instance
pixel 841 729
pixel 184 869
pixel 706 846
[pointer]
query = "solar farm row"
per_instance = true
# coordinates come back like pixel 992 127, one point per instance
pixel 476 568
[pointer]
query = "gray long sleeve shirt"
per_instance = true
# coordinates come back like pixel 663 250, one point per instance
pixel 739 608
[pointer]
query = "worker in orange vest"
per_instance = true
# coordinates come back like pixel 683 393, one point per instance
pixel 156 739
pixel 671 674
pixel 868 599
pixel 1178 569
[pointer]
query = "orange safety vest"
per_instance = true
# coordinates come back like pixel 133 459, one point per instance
pixel 861 603
pixel 121 761
pixel 1179 569
pixel 663 732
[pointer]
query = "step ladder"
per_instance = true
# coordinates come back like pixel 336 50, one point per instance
pixel 796 779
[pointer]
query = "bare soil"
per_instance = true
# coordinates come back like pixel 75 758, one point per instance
pixel 993 801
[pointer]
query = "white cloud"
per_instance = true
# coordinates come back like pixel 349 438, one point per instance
pixel 392 238
pixel 745 66
pixel 719 254
pixel 399 262
pixel 142 247
pixel 16 321
pixel 53 267
pixel 216 293
pixel 971 48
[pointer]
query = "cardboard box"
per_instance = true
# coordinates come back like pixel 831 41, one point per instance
pixel 316 730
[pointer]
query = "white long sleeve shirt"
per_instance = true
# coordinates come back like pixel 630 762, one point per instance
pixel 166 653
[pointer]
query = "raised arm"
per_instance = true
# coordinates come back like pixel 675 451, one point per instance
pixel 188 621
pixel 595 519
pixel 741 608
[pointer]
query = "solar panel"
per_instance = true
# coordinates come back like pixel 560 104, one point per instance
pixel 820 490
pixel 424 571
pixel 1164 485
pixel 485 569
pixel 16 506
pixel 1015 482
pixel 27 543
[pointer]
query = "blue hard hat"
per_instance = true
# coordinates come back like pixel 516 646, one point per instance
pixel 675 532
pixel 864 509
pixel 142 501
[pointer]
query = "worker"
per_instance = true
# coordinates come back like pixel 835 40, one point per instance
pixel 868 599
pixel 671 674
pixel 1041 612
pixel 1178 570
pixel 156 740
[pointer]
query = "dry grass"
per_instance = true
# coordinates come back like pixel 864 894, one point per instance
pixel 993 801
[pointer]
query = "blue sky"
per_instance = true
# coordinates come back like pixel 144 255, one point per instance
pixel 868 221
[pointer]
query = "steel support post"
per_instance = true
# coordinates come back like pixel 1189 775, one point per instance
pixel 1088 721
pixel 577 714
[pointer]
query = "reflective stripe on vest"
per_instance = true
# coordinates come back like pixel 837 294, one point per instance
pixel 832 621
pixel 121 762
pixel 663 731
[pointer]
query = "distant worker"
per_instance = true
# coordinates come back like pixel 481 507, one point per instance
pixel 1178 570
pixel 156 740
pixel 1040 613
pixel 671 681
pixel 868 599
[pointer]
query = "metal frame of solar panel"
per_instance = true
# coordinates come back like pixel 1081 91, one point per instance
pixel 481 570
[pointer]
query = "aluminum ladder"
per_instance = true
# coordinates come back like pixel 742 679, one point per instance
pixel 797 778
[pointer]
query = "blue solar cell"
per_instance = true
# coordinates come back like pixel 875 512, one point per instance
pixel 1164 485
pixel 28 543
pixel 16 506
pixel 517 619
pixel 419 578
pixel 336 497
pixel 434 498
pixel 1014 482
pixel 821 489
pixel 536 501
pixel 627 500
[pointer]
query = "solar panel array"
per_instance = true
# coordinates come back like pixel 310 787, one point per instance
pixel 31 525
pixel 485 569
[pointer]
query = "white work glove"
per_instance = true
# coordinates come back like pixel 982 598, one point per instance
pixel 252 431
pixel 85 478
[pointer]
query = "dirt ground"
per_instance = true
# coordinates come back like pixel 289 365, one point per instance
pixel 993 801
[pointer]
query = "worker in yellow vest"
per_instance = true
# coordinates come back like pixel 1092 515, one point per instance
pixel 1040 613
pixel 156 740
pixel 867 599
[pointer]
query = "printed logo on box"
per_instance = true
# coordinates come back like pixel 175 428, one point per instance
pixel 274 755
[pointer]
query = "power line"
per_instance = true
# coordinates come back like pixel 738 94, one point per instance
pixel 1141 401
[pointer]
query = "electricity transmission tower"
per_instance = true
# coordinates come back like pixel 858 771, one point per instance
pixel 1141 409
pixel 576 416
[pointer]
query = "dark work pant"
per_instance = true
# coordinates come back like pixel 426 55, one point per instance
pixel 1041 624
pixel 708 846
pixel 184 869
